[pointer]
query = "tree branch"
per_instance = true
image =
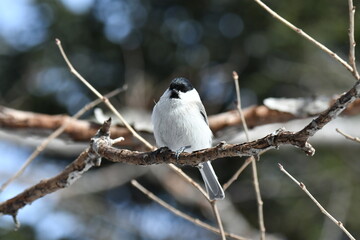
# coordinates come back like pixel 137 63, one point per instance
pixel 347 136
pixel 261 115
pixel 322 209
pixel 55 134
pixel 103 98
pixel 82 130
pixel 78 130
pixel 181 214
pixel 101 146
pixel 352 39
pixel 253 162
pixel 87 159
pixel 218 219
pixel 304 35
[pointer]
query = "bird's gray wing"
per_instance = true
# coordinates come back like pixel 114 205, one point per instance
pixel 203 112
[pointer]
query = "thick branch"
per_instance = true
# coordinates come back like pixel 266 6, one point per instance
pixel 78 130
pixel 339 106
pixel 261 115
pixel 165 155
pixel 44 187
pixel 87 159
pixel 81 130
pixel 101 146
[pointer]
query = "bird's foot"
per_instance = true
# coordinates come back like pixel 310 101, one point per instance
pixel 181 150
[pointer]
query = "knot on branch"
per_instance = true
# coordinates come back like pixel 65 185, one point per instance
pixel 273 137
pixel 102 137
pixel 104 129
pixel 297 139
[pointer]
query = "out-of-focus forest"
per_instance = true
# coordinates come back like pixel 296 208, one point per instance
pixel 144 44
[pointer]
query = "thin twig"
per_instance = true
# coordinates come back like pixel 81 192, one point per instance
pixel 243 122
pixel 355 139
pixel 322 209
pixel 218 219
pixel 55 134
pixel 238 105
pixel 352 39
pixel 305 35
pixel 237 173
pixel 179 213
pixel 240 170
pixel 259 200
pixel 260 203
pixel 190 180
pixel 104 99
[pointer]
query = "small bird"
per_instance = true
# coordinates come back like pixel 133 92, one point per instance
pixel 181 124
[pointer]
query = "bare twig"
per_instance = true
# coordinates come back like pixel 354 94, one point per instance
pixel 104 99
pixel 322 209
pixel 190 180
pixel 237 173
pixel 218 219
pixel 260 203
pixel 259 200
pixel 305 35
pixel 238 105
pixel 352 39
pixel 55 134
pixel 355 139
pixel 179 213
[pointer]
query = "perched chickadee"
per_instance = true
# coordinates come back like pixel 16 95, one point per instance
pixel 180 120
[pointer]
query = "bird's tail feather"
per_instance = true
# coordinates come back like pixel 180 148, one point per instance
pixel 212 184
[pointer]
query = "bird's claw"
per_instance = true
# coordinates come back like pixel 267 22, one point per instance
pixel 181 150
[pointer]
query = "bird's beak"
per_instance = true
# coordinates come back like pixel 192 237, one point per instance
pixel 174 93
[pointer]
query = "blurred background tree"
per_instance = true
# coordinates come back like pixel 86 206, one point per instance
pixel 145 44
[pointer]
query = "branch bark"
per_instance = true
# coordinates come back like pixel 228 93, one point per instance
pixel 101 146
pixel 78 130
pixel 261 115
pixel 82 130
pixel 87 159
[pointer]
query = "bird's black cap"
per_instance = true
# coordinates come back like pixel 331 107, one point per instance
pixel 181 84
